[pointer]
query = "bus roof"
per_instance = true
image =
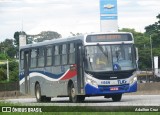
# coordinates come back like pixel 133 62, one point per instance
pixel 67 39
pixel 53 41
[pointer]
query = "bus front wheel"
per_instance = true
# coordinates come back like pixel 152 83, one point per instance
pixel 73 97
pixel 117 97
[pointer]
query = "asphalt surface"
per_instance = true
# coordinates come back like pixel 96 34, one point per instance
pixel 127 100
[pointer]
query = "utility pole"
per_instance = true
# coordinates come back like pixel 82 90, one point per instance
pixel 151 54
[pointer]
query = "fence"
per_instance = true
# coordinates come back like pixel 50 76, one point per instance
pixel 9 86
pixel 147 76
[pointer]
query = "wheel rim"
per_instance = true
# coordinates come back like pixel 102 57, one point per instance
pixel 73 93
pixel 38 94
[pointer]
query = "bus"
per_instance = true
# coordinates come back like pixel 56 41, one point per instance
pixel 96 64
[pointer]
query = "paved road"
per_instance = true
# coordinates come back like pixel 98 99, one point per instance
pixel 127 100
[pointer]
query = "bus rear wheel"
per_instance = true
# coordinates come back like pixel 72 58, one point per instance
pixel 73 97
pixel 117 97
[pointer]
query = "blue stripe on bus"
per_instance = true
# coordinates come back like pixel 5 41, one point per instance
pixel 51 75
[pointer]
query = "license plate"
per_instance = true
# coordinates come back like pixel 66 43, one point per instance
pixel 113 88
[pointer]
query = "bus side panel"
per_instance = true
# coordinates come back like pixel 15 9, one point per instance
pixel 50 81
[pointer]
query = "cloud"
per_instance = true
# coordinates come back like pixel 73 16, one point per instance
pixel 123 2
pixel 136 23
pixel 65 16
pixel 35 1
pixel 149 2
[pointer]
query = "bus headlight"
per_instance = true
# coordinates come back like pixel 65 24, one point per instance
pixel 91 82
pixel 133 80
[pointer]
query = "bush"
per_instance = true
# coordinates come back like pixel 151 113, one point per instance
pixel 3 75
pixel 13 68
pixel 13 71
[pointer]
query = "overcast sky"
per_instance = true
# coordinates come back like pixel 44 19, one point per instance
pixel 65 16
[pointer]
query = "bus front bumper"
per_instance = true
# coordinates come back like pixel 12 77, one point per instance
pixel 115 89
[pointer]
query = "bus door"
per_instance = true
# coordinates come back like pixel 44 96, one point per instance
pixel 80 73
pixel 26 71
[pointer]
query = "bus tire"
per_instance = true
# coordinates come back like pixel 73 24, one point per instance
pixel 38 95
pixel 81 98
pixel 47 99
pixel 117 97
pixel 72 95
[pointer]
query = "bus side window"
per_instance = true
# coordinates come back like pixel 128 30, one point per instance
pixel 40 57
pixel 33 58
pixel 49 56
pixel 56 55
pixel 64 54
pixel 71 53
pixel 22 60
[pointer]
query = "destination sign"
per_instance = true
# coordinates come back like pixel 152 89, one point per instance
pixel 109 38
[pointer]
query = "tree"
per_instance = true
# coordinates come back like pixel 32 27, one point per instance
pixel 153 28
pixel 77 34
pixel 45 35
pixel 16 38
pixel 153 31
pixel 3 56
pixel 2 74
pixel 13 67
pixel 7 48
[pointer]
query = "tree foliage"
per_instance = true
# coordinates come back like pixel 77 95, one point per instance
pixel 16 38
pixel 142 41
pixel 77 34
pixel 153 32
pixel 2 74
pixel 13 71
pixel 7 49
pixel 44 35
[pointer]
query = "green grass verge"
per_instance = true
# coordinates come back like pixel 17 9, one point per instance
pixel 74 110
pixel 84 113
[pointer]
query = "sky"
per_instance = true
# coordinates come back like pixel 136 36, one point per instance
pixel 76 16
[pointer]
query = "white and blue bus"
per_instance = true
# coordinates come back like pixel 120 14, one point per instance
pixel 97 64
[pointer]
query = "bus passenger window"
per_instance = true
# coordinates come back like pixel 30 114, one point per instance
pixel 40 57
pixel 56 55
pixel 33 58
pixel 49 56
pixel 71 53
pixel 64 54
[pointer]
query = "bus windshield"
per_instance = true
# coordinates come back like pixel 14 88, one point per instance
pixel 110 58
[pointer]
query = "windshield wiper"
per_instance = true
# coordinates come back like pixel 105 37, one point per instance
pixel 100 47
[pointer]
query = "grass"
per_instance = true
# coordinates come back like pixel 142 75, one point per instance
pixel 75 110
pixel 84 113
